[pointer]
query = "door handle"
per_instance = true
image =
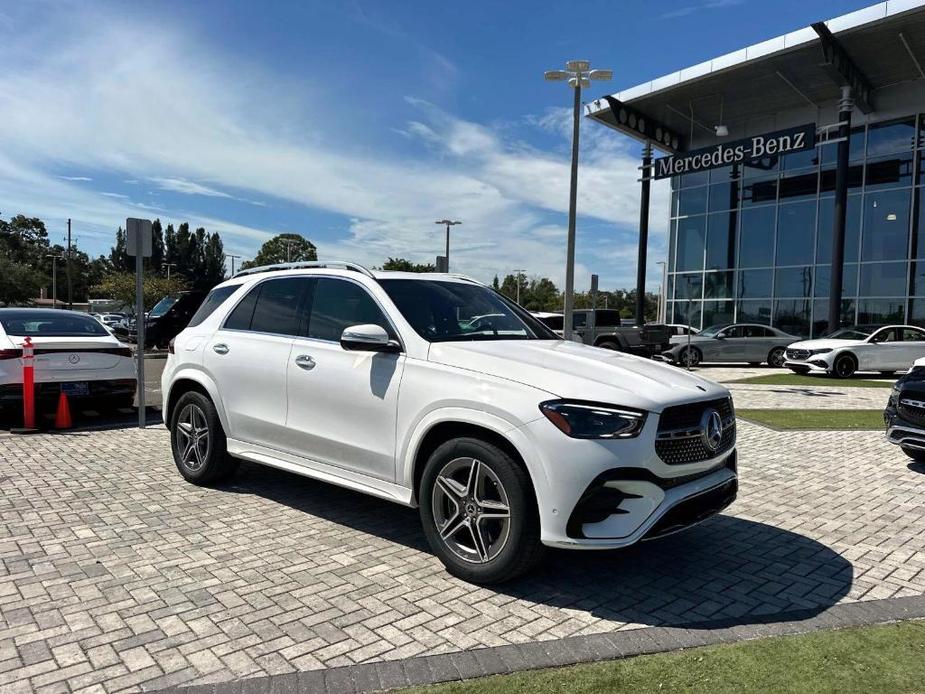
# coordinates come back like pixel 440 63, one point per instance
pixel 303 361
pixel 220 348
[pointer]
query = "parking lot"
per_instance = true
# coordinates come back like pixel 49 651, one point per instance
pixel 118 576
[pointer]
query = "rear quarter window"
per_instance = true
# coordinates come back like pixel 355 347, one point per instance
pixel 214 299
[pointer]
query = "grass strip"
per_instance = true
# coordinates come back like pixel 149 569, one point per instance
pixel 815 420
pixel 791 379
pixel 887 658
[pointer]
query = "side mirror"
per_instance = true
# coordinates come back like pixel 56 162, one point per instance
pixel 367 338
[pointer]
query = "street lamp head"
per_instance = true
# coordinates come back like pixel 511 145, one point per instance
pixel 578 65
pixel 556 75
pixel 581 81
pixel 601 75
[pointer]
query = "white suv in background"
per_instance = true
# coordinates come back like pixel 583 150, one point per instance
pixel 435 391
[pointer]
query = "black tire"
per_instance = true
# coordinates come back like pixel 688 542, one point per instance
pixel 802 370
pixel 917 454
pixel 607 344
pixel 518 536
pixel 844 366
pixel 689 356
pixel 199 464
pixel 777 357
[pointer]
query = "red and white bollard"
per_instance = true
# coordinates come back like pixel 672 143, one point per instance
pixel 28 388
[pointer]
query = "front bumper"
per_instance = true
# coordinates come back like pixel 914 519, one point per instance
pixel 600 494
pixel 900 431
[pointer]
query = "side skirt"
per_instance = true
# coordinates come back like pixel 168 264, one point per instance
pixel 321 471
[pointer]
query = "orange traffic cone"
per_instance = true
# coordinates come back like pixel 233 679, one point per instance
pixel 63 414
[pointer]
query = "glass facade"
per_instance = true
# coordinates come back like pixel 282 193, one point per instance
pixel 753 242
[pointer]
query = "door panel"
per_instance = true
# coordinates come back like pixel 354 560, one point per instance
pixel 343 403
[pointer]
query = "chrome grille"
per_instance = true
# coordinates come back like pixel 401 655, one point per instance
pixel 798 354
pixel 679 439
pixel 912 409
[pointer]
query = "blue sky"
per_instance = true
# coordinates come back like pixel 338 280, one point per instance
pixel 356 124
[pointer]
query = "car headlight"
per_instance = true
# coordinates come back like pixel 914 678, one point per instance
pixel 584 420
pixel 826 350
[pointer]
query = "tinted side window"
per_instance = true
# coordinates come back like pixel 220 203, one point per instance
pixel 215 299
pixel 579 320
pixel 736 331
pixel 338 304
pixel 270 307
pixel 910 335
pixel 607 319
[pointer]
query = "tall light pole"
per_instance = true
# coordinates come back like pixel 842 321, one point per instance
pixel 448 224
pixel 578 74
pixel 54 277
pixel 517 274
pixel 229 255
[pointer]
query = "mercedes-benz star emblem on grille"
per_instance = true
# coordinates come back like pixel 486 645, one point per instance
pixel 711 429
pixel 73 358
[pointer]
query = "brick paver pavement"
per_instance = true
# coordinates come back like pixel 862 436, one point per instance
pixel 117 575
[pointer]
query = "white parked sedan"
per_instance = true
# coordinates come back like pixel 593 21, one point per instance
pixel 74 354
pixel 887 349
pixel 505 436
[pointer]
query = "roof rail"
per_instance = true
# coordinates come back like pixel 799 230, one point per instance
pixel 298 265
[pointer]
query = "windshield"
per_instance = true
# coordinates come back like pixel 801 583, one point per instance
pixel 162 306
pixel 848 334
pixel 50 324
pixel 711 331
pixel 456 311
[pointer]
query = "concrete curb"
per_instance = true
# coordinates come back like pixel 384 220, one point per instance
pixel 463 665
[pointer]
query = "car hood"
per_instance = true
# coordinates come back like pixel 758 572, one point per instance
pixel 570 370
pixel 825 344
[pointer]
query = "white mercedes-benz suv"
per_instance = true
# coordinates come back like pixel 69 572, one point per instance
pixel 434 391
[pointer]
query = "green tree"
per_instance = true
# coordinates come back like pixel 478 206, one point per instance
pixel 405 265
pixel 118 256
pixel 495 284
pixel 283 248
pixel 121 287
pixel 213 262
pixel 19 283
pixel 157 246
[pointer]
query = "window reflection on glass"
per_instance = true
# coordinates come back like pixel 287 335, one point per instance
pixel 823 281
pixel 883 279
pixel 877 311
pixel 760 167
pixel 793 316
pixel 884 138
pixel 754 284
pixel 917 312
pixel 717 312
pixel 855 147
pixel 892 171
pixel 852 229
pixel 827 179
pixel 756 240
pixel 691 232
pixel 687 313
pixel 724 196
pixel 886 225
pixel 796 225
pixel 759 192
pixel 721 236
pixel 717 285
pixel 821 315
pixel 695 178
pixel 692 201
pixel 799 186
pixel 688 286
pixel 807 159
pixel 793 281
pixel 757 311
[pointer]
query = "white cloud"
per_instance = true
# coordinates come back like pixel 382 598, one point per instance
pixel 75 178
pixel 179 185
pixel 205 128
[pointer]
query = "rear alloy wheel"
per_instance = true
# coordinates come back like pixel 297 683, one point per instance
pixel 689 356
pixel 776 357
pixel 916 454
pixel 198 441
pixel 479 513
pixel 844 366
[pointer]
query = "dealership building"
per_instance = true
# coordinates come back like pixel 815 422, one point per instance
pixel 796 174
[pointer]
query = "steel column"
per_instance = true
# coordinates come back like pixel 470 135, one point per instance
pixel 643 234
pixel 841 205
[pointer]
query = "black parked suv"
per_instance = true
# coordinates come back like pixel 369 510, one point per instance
pixel 904 415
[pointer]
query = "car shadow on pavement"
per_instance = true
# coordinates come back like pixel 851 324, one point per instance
pixel 723 572
pixel 917 467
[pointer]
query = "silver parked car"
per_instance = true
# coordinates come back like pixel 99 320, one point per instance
pixel 748 342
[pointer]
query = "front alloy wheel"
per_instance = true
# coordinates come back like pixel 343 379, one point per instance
pixel 777 357
pixel 690 357
pixel 479 511
pixel 844 366
pixel 471 510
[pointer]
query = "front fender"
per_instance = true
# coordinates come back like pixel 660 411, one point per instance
pixel 194 373
pixel 514 434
